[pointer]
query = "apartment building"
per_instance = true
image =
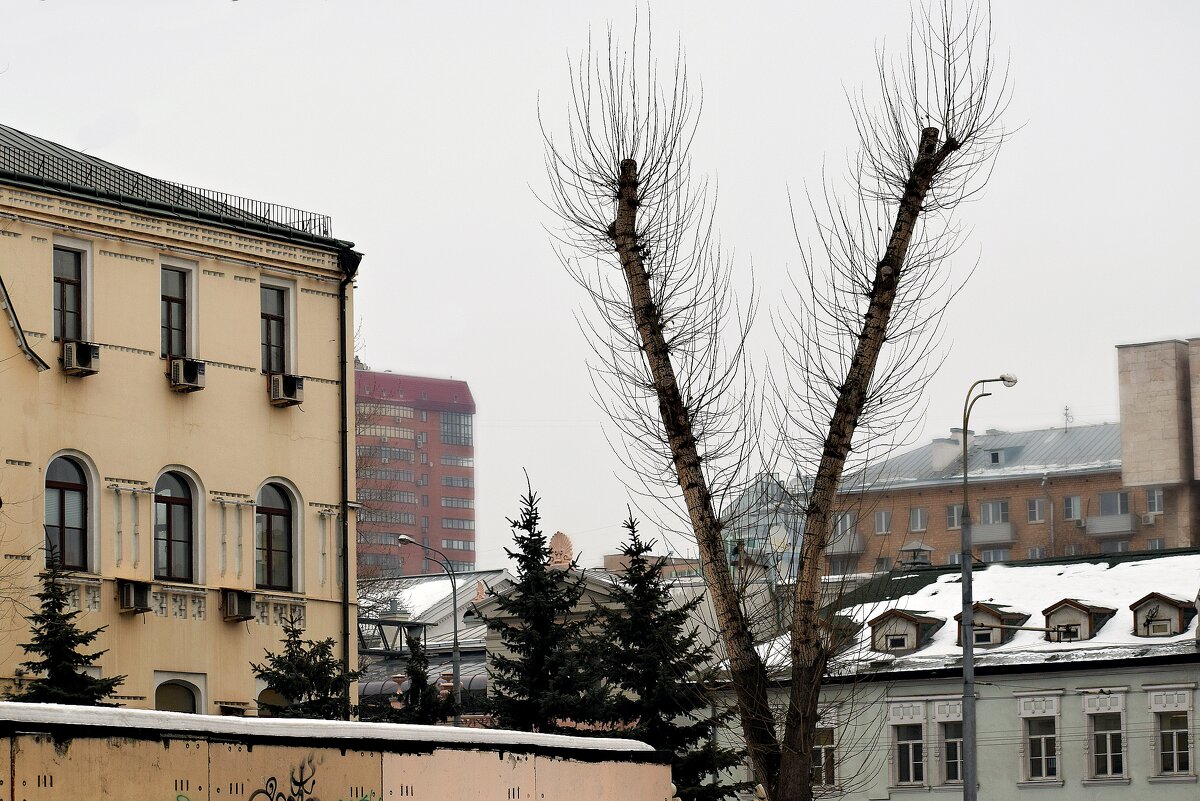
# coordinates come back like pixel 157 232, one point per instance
pixel 415 464
pixel 177 423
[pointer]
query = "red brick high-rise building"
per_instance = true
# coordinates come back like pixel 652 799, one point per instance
pixel 416 473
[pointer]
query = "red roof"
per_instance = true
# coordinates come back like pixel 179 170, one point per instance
pixel 419 392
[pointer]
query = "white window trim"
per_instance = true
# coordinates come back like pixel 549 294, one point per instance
pixel 87 274
pixel 885 516
pixel 299 513
pixel 199 496
pixel 1104 701
pixel 1043 704
pixel 924 515
pixel 191 270
pixel 291 362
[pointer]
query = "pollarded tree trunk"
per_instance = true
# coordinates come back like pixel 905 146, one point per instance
pixel 747 672
pixel 808 652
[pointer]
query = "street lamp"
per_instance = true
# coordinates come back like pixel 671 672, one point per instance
pixel 970 775
pixel 455 661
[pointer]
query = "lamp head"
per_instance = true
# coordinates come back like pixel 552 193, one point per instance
pixel 404 539
pixel 1009 379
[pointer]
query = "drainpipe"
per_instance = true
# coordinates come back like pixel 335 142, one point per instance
pixel 1050 512
pixel 348 261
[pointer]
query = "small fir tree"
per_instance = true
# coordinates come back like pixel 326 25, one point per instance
pixel 309 676
pixel 661 668
pixel 546 677
pixel 60 676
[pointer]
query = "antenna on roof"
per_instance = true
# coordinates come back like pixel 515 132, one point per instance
pixel 1068 418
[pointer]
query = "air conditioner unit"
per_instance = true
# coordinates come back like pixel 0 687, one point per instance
pixel 238 605
pixel 1081 523
pixel 1149 518
pixel 134 596
pixel 187 375
pixel 80 358
pixel 287 390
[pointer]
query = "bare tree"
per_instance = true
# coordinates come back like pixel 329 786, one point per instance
pixel 672 375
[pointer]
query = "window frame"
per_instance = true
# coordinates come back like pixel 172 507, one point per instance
pixel 883 516
pixel 990 555
pixel 189 538
pixel 954 516
pixel 290 325
pixel 456 428
pixel 988 510
pixel 946 742
pixel 1072 507
pixel 1050 763
pixel 1160 743
pixel 1156 502
pixel 1035 510
pixel 921 516
pixel 908 755
pixel 823 768
pixel 289 515
pixel 1122 503
pixel 86 269
pixel 60 488
pixel 1109 755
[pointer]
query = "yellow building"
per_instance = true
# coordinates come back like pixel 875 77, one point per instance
pixel 175 405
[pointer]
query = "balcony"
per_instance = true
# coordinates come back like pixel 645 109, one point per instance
pixel 1110 525
pixel 849 543
pixel 991 533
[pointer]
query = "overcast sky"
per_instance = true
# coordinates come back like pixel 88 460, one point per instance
pixel 415 126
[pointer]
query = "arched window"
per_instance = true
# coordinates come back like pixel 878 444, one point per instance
pixel 66 513
pixel 173 529
pixel 273 539
pixel 174 696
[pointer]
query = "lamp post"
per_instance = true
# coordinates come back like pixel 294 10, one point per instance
pixel 970 762
pixel 455 661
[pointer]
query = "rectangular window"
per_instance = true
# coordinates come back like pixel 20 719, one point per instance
pixel 68 294
pixel 458 461
pixel 992 512
pixel 896 642
pixel 457 523
pixel 983 635
pixel 954 515
pixel 1114 546
pixel 456 428
pixel 883 564
pixel 458 481
pixel 459 545
pixel 384 474
pixel 1037 552
pixel 994 555
pixel 1071 507
pixel 458 503
pixel 845 524
pixel 1042 740
pixel 823 759
pixel 388 495
pixel 273 317
pixel 1174 755
pixel 952 735
pixel 996 457
pixel 380 430
pixel 1155 544
pixel 1036 510
pixel 461 567
pixel 1154 501
pixel 954 558
pixel 1114 503
pixel 883 521
pixel 917 518
pixel 173 313
pixel 843 565
pixel 1108 757
pixel 910 754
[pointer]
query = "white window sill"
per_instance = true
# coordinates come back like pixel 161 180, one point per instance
pixel 1036 784
pixel 1181 778
pixel 1105 781
pixel 908 788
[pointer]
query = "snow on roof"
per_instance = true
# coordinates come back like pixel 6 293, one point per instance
pixel 421 596
pixel 1029 589
pixel 60 715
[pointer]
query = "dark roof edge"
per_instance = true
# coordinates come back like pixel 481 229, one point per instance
pixel 15 324
pixel 1165 660
pixel 278 232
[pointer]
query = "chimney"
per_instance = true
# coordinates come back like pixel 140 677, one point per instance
pixel 947 450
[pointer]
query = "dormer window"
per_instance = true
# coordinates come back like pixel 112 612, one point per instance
pixel 983 636
pixel 996 457
pixel 1158 628
pixel 1159 615
pixel 897 642
pixel 1071 619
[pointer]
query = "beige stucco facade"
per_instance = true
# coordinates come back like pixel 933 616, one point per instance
pixel 125 427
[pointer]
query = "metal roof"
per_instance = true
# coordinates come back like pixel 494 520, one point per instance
pixel 417 392
pixel 1078 449
pixel 29 160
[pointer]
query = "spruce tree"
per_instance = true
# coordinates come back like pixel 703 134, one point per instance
pixel 309 676
pixel 60 676
pixel 422 702
pixel 657 662
pixel 545 674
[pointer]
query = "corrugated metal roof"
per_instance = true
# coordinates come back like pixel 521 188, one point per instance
pixel 1092 448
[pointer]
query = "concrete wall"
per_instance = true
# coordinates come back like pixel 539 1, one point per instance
pixel 1156 413
pixel 109 754
pixel 126 427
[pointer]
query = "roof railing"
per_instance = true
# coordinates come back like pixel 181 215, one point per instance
pixel 120 182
